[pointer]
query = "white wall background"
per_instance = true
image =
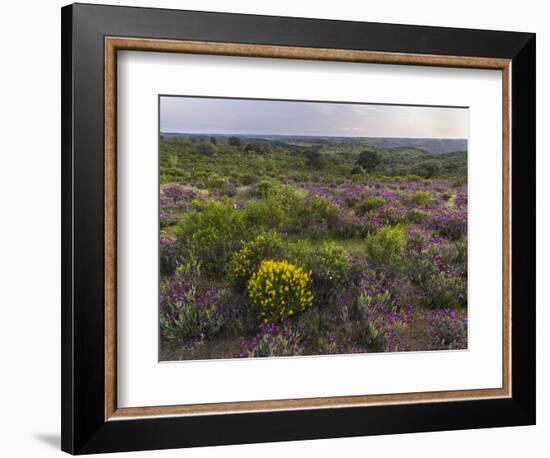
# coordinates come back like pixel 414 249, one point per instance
pixel 30 226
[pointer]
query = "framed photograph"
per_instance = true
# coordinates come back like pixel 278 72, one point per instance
pixel 281 228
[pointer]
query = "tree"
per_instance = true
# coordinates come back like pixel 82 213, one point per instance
pixel 314 158
pixel 428 169
pixel 213 140
pixel 207 148
pixel 234 141
pixel 368 160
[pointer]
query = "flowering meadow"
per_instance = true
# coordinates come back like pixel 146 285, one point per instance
pixel 272 250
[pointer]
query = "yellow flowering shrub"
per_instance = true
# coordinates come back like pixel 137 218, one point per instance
pixel 280 289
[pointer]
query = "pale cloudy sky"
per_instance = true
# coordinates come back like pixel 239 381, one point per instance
pixel 245 116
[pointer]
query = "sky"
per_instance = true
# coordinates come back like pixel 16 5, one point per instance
pixel 201 115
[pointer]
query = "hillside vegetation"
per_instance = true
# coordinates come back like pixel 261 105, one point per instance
pixel 300 246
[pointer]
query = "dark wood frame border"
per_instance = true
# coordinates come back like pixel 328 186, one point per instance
pixel 91 36
pixel 114 44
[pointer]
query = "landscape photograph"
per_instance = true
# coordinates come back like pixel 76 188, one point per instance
pixel 303 228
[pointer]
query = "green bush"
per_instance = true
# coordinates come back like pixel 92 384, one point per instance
pixel 207 148
pixel 445 290
pixel 290 198
pixel 455 254
pixel 248 179
pixel 387 243
pixel 371 203
pixel 319 209
pixel 369 160
pixel 416 215
pixel 428 169
pixel 291 207
pixel 299 252
pixel 248 259
pixel 213 233
pixel 216 181
pixel 422 198
pixel 264 215
pixel 331 266
pixel 265 188
pixel 234 141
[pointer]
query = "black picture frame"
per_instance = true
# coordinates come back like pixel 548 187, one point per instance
pixel 84 428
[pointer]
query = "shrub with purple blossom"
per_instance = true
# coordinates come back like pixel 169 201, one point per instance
pixel 191 310
pixel 274 339
pixel 448 330
pixel 439 269
pixel 327 344
pixel 383 310
pixel 174 198
pixel 450 222
pixel 169 255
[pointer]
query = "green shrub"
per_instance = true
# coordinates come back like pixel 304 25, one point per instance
pixel 422 198
pixel 387 243
pixel 298 252
pixel 357 171
pixel 265 188
pixel 451 200
pixel 299 177
pixel 248 179
pixel 331 267
pixel 216 181
pixel 455 253
pixel 294 209
pixel 290 198
pixel 371 203
pixel 428 169
pixel 234 141
pixel 264 215
pixel 369 159
pixel 412 178
pixel 248 259
pixel 207 148
pixel 319 209
pixel 212 233
pixel 415 215
pixel 445 290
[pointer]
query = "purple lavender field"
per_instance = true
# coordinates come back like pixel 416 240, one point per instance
pixel 292 245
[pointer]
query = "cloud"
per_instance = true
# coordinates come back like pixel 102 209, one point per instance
pixel 249 116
